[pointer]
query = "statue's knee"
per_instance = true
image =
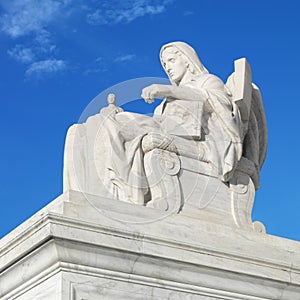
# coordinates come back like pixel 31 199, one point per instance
pixel 157 140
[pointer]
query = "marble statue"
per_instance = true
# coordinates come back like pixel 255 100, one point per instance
pixel 200 154
pixel 159 207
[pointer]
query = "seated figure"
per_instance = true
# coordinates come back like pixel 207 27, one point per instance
pixel 204 132
pixel 198 108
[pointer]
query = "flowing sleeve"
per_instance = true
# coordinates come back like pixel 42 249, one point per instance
pixel 225 127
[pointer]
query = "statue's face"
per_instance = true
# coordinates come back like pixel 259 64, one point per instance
pixel 174 64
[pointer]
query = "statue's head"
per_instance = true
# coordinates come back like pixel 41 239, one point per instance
pixel 174 64
pixel 180 62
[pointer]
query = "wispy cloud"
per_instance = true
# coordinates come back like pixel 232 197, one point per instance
pixel 125 57
pixel 21 54
pixel 98 66
pixel 44 41
pixel 31 23
pixel 188 13
pixel 113 12
pixel 48 66
pixel 33 19
pixel 23 17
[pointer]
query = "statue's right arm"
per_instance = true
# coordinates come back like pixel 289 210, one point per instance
pixel 174 92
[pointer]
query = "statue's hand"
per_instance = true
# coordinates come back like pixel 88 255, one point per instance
pixel 154 91
pixel 149 100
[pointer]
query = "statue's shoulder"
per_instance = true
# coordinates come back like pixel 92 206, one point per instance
pixel 207 80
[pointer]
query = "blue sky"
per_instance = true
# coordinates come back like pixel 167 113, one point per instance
pixel 57 55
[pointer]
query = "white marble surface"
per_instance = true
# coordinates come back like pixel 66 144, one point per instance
pixel 202 149
pixel 88 248
pixel 200 154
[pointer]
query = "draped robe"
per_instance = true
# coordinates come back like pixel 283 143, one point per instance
pixel 104 155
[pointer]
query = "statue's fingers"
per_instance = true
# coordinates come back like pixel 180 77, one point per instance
pixel 145 94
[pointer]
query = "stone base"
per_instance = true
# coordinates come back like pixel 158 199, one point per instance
pixel 88 248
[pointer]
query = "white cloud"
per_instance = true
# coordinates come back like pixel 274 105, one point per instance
pixel 113 12
pixel 31 23
pixel 94 71
pixel 21 54
pixel 44 41
pixel 98 66
pixel 96 18
pixel 48 66
pixel 23 17
pixel 188 13
pixel 123 58
pixel 33 19
pixel 99 59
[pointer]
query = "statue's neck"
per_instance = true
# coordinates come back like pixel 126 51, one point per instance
pixel 188 77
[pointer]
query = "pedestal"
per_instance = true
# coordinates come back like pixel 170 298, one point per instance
pixel 88 248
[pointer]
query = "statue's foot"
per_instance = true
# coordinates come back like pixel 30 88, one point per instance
pixel 157 140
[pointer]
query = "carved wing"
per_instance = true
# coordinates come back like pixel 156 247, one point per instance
pixel 257 131
pixel 247 97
